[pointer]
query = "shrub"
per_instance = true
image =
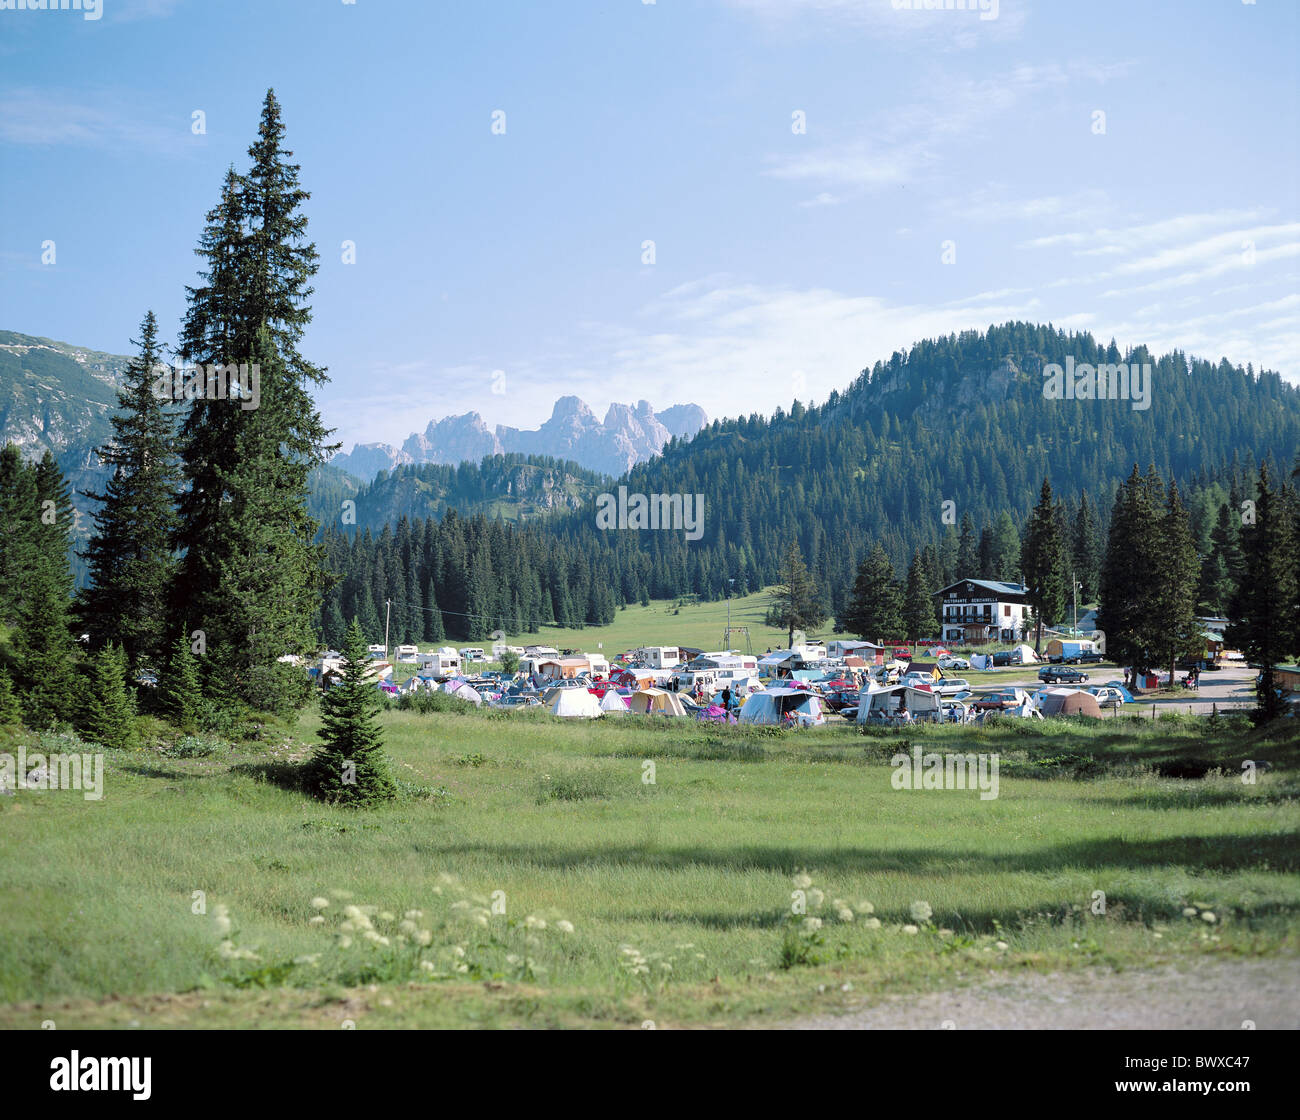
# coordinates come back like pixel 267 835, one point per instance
pixel 196 746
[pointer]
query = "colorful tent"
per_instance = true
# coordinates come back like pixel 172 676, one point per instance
pixel 656 701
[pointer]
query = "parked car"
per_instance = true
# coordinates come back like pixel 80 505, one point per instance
pixel 951 686
pixel 1003 658
pixel 528 700
pixel 1107 695
pixel 1000 701
pixel 1053 675
pixel 837 699
pixel 954 663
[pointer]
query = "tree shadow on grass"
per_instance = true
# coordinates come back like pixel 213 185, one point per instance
pixel 154 770
pixel 289 776
pixel 1192 795
pixel 1275 852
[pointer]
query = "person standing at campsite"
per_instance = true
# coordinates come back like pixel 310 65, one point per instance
pixel 726 699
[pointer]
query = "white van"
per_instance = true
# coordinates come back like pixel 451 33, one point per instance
pixel 473 653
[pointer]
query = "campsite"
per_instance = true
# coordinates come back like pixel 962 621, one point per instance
pixel 646 516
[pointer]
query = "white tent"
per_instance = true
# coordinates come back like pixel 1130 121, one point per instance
pixel 462 691
pixel 572 703
pixel 1027 654
pixel 613 702
pixel 775 704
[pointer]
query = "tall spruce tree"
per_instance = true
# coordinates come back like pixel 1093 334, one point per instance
pixel 1133 547
pixel 1004 548
pixel 875 610
pixel 1222 567
pixel 130 556
pixel 1173 584
pixel 1042 561
pixel 919 618
pixel 18 517
pixel 1262 613
pixel 46 652
pixel 795 603
pixel 252 576
pixel 349 767
pixel 1086 548
pixel 968 547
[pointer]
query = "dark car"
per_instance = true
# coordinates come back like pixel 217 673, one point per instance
pixel 1002 658
pixel 1052 675
pixel 837 699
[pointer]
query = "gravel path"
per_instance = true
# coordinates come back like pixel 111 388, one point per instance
pixel 1210 996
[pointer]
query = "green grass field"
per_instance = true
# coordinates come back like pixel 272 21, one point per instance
pixel 679 892
pixel 665 623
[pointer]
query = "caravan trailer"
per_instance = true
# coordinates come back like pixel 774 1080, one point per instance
pixel 442 662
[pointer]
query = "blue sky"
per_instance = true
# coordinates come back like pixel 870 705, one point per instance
pixel 785 261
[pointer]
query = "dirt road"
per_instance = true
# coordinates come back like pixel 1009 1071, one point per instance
pixel 1201 995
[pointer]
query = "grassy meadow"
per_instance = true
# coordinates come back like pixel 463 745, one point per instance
pixel 679 892
pixel 667 623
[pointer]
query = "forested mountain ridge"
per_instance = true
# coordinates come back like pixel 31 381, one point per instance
pixel 960 419
pixel 58 397
pixel 513 487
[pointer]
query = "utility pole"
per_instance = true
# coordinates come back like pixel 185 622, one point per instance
pixel 726 640
pixel 1074 591
pixel 388 613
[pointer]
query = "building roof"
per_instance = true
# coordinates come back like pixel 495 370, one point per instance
pixel 997 587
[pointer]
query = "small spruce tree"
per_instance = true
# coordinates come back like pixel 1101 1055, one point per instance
pixel 108 717
pixel 180 694
pixel 350 766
